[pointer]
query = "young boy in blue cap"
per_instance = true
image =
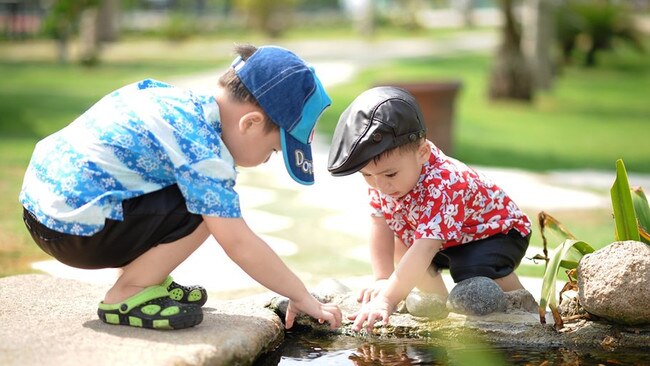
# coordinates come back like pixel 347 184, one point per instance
pixel 429 211
pixel 141 179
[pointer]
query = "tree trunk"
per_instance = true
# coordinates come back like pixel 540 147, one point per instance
pixel 538 41
pixel 62 49
pixel 466 9
pixel 366 21
pixel 107 21
pixel 88 44
pixel 510 75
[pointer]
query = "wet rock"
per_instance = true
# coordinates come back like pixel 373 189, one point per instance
pixel 329 288
pixel 511 328
pixel 521 300
pixel 571 308
pixel 426 305
pixel 327 291
pixel 613 282
pixel 279 305
pixel 477 296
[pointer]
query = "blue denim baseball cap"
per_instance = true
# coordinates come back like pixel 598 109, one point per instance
pixel 293 97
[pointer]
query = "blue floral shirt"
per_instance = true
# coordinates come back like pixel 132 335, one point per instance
pixel 136 140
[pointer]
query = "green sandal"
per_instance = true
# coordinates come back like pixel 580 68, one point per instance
pixel 185 294
pixel 151 308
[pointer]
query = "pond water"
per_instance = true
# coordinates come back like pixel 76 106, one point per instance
pixel 319 349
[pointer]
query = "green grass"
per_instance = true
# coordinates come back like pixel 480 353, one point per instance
pixel 591 118
pixel 36 99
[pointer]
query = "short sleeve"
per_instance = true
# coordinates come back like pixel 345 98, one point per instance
pixel 375 203
pixel 208 195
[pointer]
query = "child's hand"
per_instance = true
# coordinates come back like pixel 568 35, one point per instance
pixel 309 305
pixel 379 308
pixel 369 293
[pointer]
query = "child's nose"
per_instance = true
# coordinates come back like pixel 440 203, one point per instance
pixel 381 184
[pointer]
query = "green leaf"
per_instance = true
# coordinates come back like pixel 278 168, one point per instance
pixel 624 215
pixel 548 222
pixel 642 210
pixel 557 260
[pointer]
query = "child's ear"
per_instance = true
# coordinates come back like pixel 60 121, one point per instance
pixel 424 152
pixel 250 120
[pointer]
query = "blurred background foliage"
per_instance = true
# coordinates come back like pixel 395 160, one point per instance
pixel 566 87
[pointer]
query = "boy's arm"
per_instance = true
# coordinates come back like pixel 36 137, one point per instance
pixel 409 271
pixel 257 259
pixel 382 248
pixel 382 256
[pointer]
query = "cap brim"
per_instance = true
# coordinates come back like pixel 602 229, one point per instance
pixel 297 158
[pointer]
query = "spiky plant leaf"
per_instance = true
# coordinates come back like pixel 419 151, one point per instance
pixel 642 210
pixel 624 215
pixel 556 261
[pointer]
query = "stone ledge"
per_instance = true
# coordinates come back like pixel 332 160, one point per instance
pixel 52 321
pixel 513 328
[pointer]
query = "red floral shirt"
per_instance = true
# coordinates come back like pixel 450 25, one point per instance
pixel 451 202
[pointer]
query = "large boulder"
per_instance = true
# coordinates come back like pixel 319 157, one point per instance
pixel 614 282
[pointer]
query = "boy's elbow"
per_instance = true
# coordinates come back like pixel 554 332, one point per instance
pixel 231 234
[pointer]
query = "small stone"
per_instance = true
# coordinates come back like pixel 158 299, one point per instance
pixel 477 296
pixel 521 300
pixel 422 304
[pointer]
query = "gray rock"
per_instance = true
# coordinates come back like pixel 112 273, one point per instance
pixel 614 282
pixel 426 305
pixel 571 307
pixel 477 296
pixel 521 300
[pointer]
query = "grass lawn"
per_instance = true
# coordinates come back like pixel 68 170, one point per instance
pixel 590 118
pixel 36 99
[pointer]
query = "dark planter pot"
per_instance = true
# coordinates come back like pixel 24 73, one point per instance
pixel 436 100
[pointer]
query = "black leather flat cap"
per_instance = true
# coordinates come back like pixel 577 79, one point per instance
pixel 378 120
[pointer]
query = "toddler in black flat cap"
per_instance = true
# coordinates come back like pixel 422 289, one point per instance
pixel 429 211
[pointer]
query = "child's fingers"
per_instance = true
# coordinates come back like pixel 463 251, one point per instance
pixel 289 318
pixel 371 321
pixel 337 317
pixel 358 322
pixel 328 317
pixel 335 311
pixel 361 295
pixel 367 296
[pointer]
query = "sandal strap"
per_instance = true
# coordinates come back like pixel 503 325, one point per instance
pixel 148 294
pixel 168 281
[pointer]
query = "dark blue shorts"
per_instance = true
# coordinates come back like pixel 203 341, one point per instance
pixel 155 218
pixel 494 257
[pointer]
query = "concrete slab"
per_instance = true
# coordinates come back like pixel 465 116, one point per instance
pixel 53 321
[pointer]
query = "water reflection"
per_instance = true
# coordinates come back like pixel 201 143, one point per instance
pixel 397 354
pixel 319 349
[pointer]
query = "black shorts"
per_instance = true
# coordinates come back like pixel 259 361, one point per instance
pixel 155 218
pixel 494 257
